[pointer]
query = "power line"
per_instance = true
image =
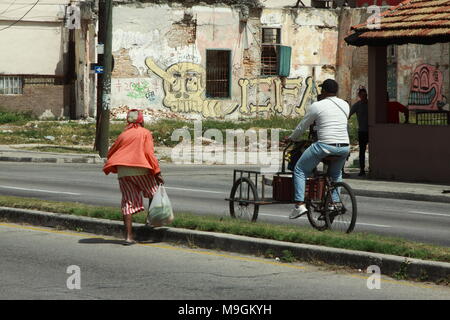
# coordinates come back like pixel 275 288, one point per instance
pixel 8 7
pixel 34 5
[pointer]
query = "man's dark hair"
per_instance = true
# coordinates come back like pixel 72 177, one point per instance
pixel 330 86
pixel 362 89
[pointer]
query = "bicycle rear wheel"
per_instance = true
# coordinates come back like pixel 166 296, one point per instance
pixel 316 217
pixel 342 210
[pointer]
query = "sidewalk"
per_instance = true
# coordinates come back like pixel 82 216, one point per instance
pixel 363 186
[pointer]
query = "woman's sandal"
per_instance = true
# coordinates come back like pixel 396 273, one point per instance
pixel 129 242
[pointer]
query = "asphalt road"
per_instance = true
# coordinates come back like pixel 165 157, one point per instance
pixel 61 265
pixel 202 190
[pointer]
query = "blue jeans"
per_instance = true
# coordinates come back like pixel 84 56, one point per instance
pixel 310 159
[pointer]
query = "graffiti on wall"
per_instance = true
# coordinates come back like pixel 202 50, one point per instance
pixel 136 91
pixel 426 88
pixel 141 90
pixel 290 87
pixel 185 85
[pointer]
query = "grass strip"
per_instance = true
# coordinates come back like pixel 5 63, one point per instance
pixel 359 241
pixel 23 129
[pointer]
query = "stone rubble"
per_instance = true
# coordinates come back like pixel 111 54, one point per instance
pixel 150 115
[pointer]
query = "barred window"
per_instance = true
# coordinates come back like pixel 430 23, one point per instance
pixel 11 85
pixel 271 39
pixel 218 73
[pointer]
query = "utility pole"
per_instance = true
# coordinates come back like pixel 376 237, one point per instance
pixel 104 79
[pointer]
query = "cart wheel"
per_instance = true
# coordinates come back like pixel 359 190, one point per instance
pixel 245 194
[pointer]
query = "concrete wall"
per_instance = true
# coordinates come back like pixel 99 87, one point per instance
pixel 23 54
pixel 410 153
pixel 150 42
pixel 352 62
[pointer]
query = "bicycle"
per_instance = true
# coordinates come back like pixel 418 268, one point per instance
pixel 324 212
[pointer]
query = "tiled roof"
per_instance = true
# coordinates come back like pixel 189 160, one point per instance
pixel 412 21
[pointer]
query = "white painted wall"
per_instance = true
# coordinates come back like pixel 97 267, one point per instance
pixel 35 44
pixel 33 48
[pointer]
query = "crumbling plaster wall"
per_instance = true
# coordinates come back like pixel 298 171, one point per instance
pixel 178 37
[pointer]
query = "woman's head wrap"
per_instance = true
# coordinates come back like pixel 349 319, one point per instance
pixel 135 118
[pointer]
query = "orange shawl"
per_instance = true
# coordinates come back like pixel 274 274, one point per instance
pixel 134 148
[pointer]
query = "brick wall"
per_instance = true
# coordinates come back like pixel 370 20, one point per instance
pixel 38 99
pixel 123 67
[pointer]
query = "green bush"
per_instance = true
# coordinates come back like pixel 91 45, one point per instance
pixel 14 117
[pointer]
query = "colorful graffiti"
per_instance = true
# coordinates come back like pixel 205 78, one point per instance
pixel 426 88
pixel 141 90
pixel 185 85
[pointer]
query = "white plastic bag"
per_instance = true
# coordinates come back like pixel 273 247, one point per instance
pixel 160 211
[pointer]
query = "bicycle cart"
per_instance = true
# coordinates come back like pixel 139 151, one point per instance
pixel 331 205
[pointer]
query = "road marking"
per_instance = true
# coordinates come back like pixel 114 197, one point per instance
pixel 431 213
pixel 273 215
pixel 40 190
pixel 195 190
pixel 372 225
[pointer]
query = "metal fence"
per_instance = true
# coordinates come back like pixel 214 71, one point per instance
pixel 433 117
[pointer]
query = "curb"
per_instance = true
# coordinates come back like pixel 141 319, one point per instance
pixel 388 264
pixel 401 195
pixel 89 160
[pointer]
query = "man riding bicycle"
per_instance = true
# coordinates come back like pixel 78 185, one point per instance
pixel 330 115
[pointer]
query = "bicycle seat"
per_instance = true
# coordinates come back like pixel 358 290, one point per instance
pixel 330 158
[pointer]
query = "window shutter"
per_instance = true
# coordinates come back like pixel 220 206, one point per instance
pixel 284 61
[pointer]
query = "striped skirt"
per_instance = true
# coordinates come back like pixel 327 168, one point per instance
pixel 133 188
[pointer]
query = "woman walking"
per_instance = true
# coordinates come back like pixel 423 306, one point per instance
pixel 133 158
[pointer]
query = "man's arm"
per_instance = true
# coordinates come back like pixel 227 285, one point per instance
pixel 353 109
pixel 308 119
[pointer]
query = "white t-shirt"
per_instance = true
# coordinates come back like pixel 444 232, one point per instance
pixel 331 121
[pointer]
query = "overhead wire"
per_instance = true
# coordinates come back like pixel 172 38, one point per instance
pixel 15 22
pixel 8 7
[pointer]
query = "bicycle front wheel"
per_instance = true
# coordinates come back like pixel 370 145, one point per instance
pixel 341 208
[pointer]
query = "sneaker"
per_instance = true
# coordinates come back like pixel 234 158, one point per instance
pixel 298 211
pixel 362 173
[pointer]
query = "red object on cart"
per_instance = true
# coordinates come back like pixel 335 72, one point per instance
pixel 283 188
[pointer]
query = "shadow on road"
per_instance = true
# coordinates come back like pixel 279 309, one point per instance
pixel 112 241
pixel 100 240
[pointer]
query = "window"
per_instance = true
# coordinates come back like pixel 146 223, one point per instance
pixel 391 51
pixel 11 85
pixel 218 73
pixel 271 39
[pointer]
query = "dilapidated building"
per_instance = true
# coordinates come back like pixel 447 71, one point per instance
pixel 44 61
pixel 222 58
